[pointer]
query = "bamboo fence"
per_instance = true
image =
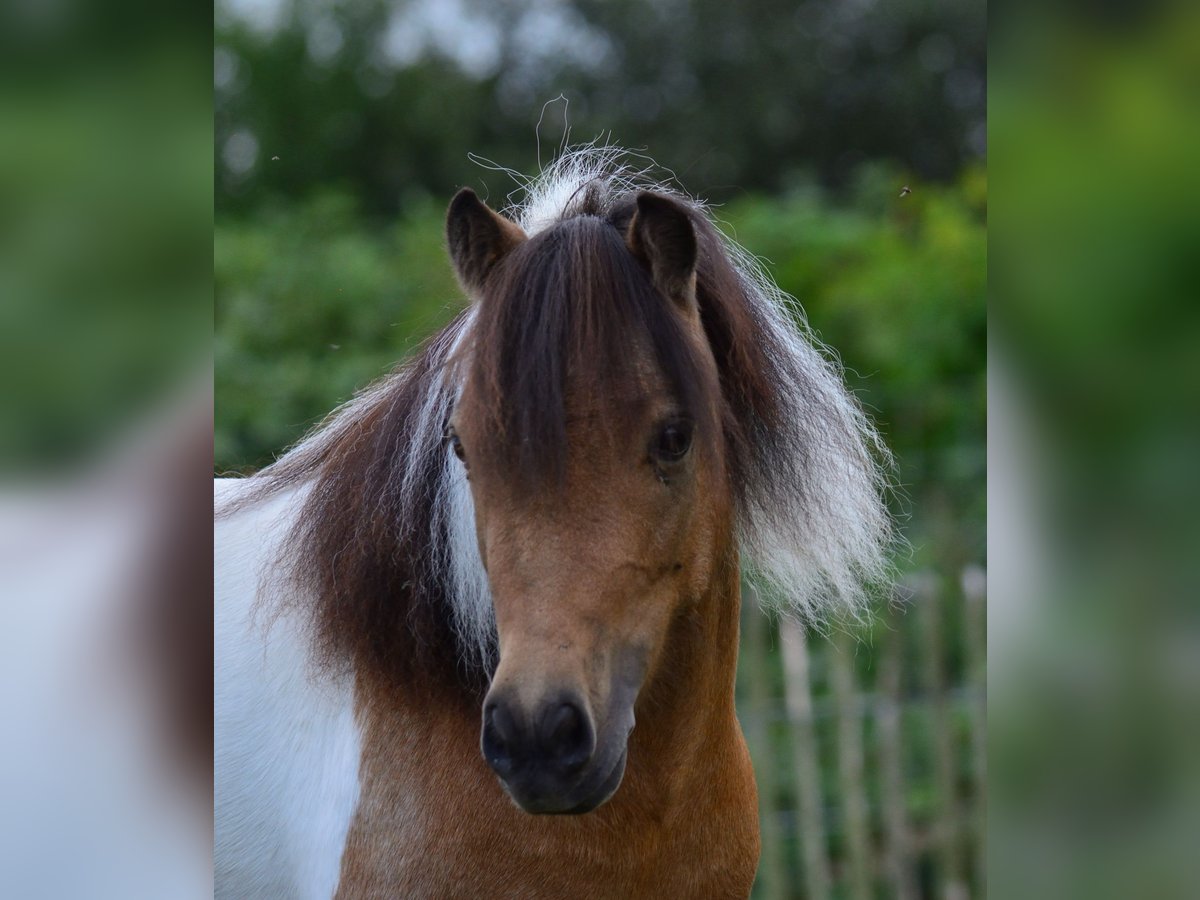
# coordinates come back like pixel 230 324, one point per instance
pixel 869 746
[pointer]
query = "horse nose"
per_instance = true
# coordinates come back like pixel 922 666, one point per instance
pixel 566 736
pixel 558 735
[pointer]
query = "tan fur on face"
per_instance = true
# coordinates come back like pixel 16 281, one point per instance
pixel 587 579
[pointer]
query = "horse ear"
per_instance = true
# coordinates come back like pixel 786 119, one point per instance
pixel 478 238
pixel 661 234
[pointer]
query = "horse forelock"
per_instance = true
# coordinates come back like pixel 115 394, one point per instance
pixel 386 543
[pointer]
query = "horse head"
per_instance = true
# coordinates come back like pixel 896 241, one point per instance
pixel 589 424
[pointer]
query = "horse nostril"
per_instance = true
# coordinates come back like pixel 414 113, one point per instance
pixel 557 741
pixel 567 736
pixel 499 739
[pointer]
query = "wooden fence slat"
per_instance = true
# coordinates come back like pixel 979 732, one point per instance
pixel 927 599
pixel 850 768
pixel 898 848
pixel 814 847
pixel 943 856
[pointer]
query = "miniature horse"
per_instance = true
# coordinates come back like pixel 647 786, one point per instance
pixel 477 635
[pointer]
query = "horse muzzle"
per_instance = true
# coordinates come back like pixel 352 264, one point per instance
pixel 551 758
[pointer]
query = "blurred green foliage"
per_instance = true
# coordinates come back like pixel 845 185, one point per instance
pixel 1095 694
pixel 1103 130
pixel 385 98
pixel 105 275
pixel 313 303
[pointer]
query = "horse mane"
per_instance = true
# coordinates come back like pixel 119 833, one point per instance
pixel 385 539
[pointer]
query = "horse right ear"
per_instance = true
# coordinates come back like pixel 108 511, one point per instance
pixel 478 238
pixel 661 234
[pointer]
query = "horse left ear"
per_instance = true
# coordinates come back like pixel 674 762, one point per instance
pixel 661 234
pixel 478 238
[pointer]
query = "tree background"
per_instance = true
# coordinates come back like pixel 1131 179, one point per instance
pixel 343 128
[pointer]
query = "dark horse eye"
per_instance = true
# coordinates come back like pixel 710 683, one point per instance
pixel 456 444
pixel 673 441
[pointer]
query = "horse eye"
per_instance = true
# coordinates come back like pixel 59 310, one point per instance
pixel 456 445
pixel 673 442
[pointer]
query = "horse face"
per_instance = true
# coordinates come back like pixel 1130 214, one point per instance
pixel 587 582
pixel 589 575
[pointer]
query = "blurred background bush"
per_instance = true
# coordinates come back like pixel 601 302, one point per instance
pixel 1094 637
pixel 842 142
